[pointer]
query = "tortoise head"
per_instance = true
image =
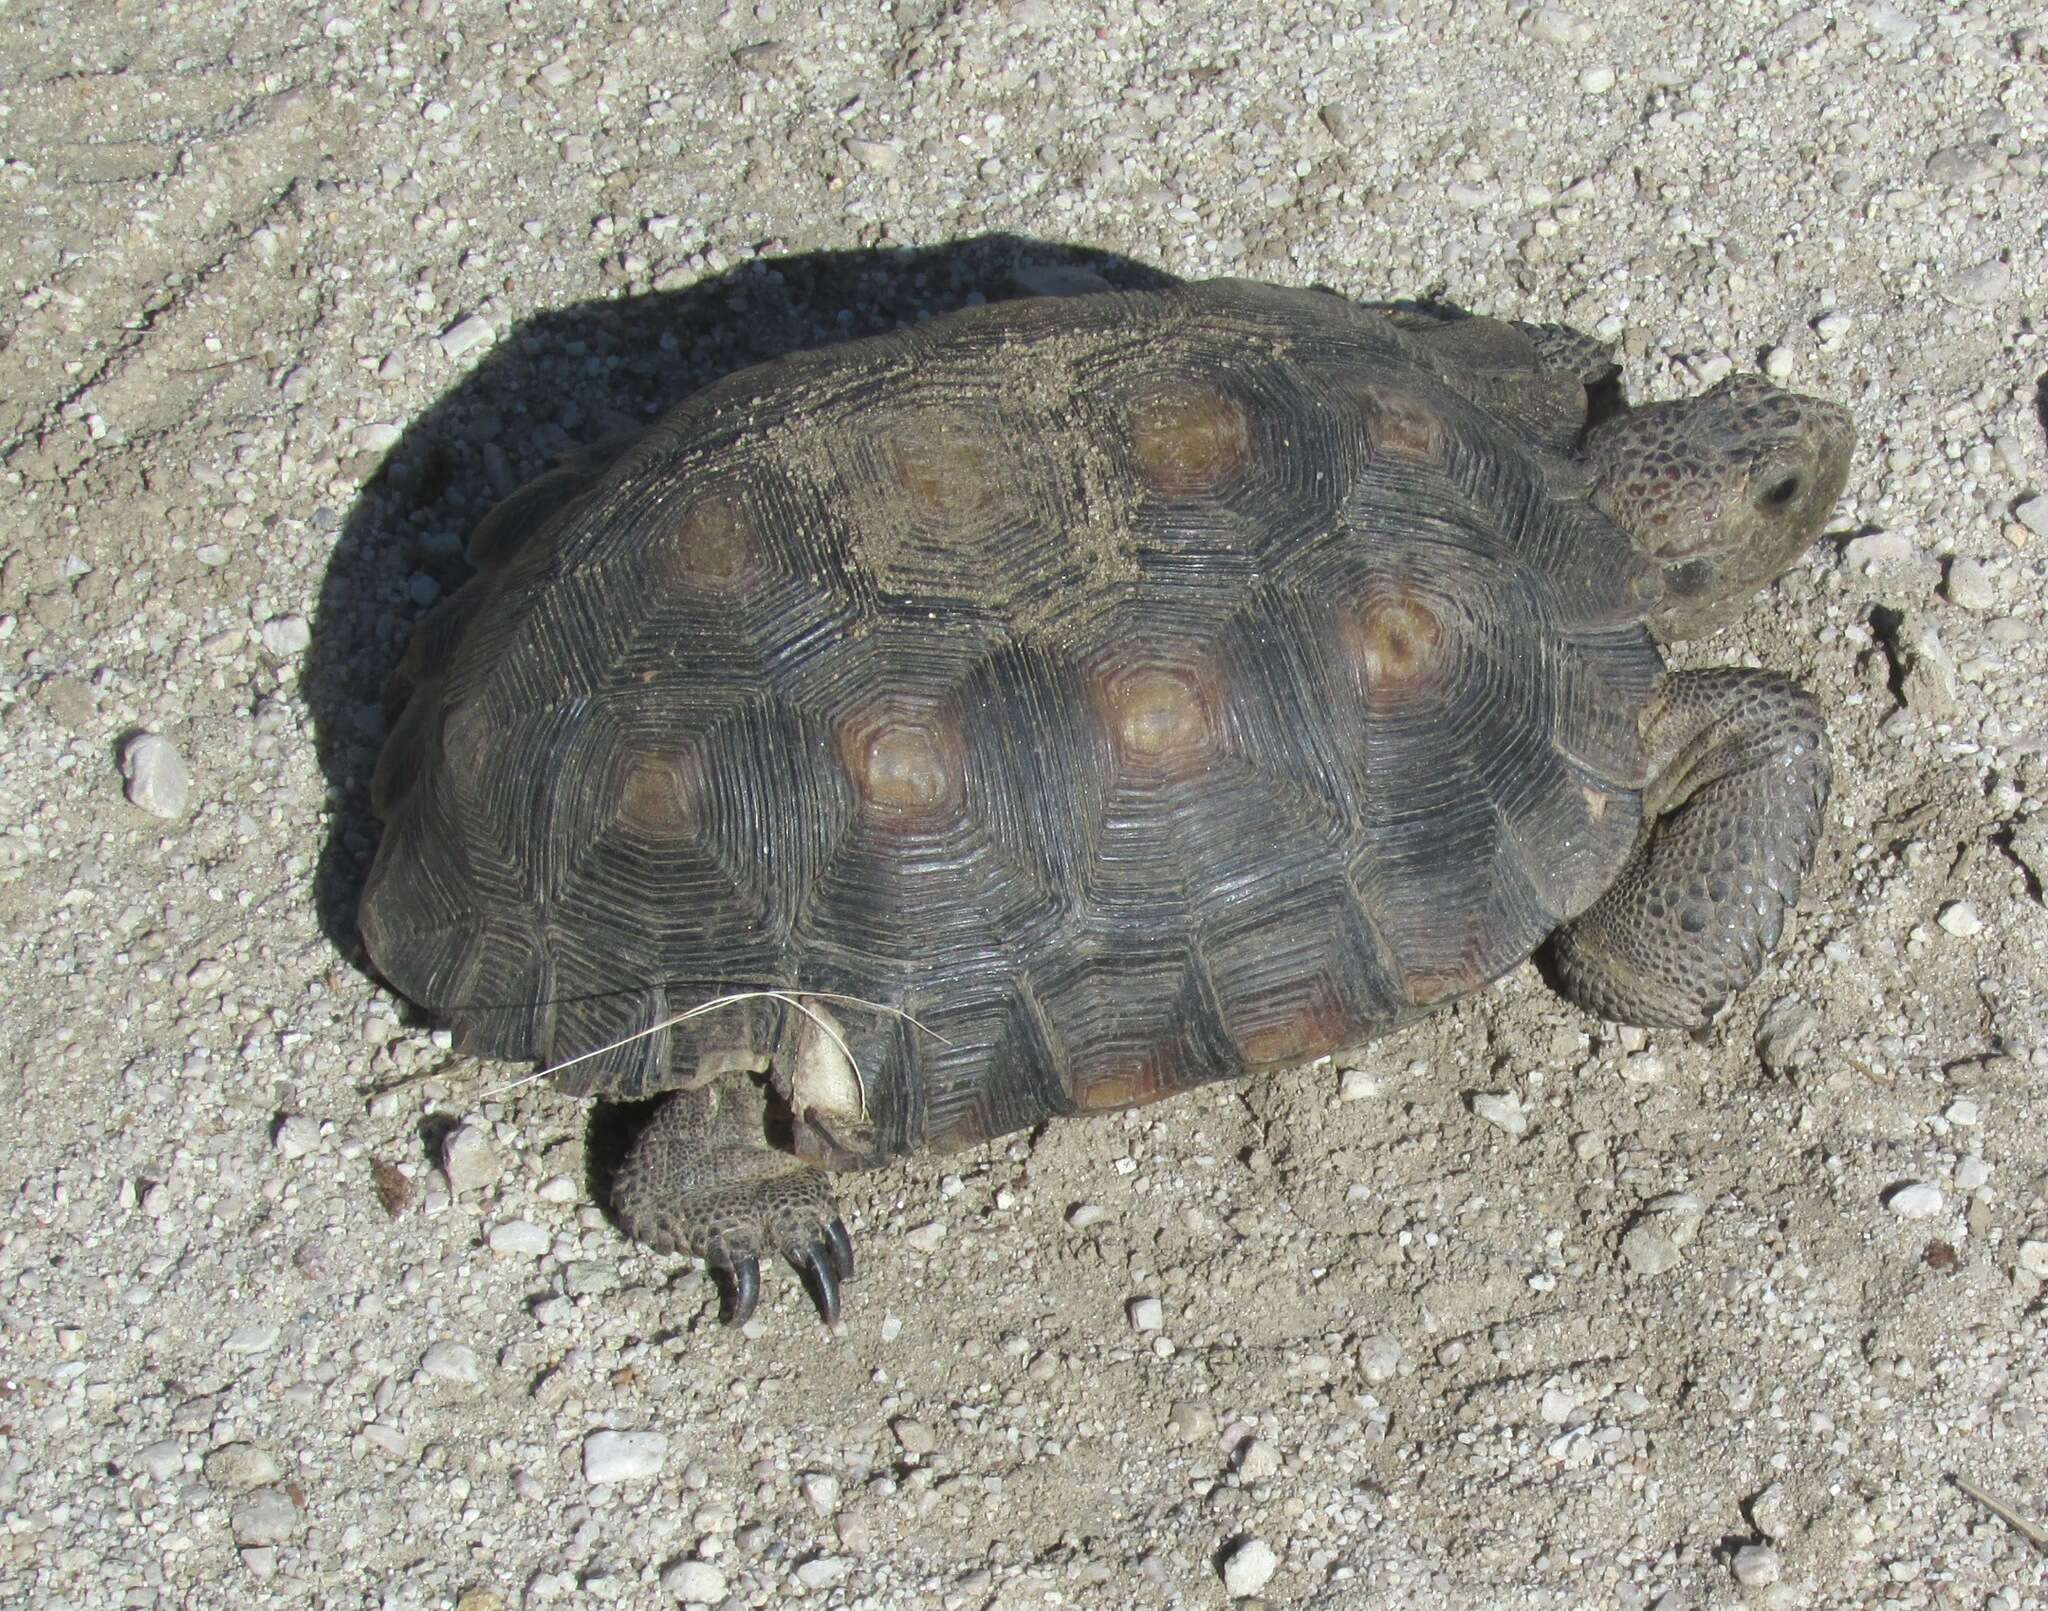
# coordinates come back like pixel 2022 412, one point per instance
pixel 1722 492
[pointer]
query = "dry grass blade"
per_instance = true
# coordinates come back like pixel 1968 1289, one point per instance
pixel 2030 1531
pixel 788 998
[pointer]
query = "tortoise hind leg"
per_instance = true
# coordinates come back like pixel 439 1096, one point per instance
pixel 1739 774
pixel 703 1179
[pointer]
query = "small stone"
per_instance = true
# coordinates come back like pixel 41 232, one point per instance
pixel 696 1582
pixel 1831 327
pixel 1786 1034
pixel 1146 1314
pixel 1249 1567
pixel 469 1159
pixel 822 1571
pixel 2032 513
pixel 1645 1068
pixel 1553 25
pixel 634 1456
pixel 1191 1421
pixel 1963 1112
pixel 264 1517
pixel 1876 550
pixel 926 1238
pixel 1756 1566
pixel 235 1468
pixel 260 1562
pixel 1649 1251
pixel 589 1278
pixel 1381 1360
pixel 1989 282
pixel 163 1460
pixel 1779 363
pixel 1359 1085
pixel 1558 1406
pixel 1972 1172
pixel 287 635
pixel 1971 585
pixel 1258 1460
pixel 1930 681
pixel 296 1135
pixel 1083 1215
pixel 1597 80
pixel 520 1237
pixel 452 1362
pixel 913 1436
pixel 1960 919
pixel 877 156
pixel 1772 1512
pixel 158 780
pixel 1503 1112
pixel 820 1490
pixel 2033 1257
pixel 1914 1200
pixel 252 1339
pixel 376 438
pixel 465 336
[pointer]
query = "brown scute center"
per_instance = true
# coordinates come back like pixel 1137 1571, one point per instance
pixel 661 794
pixel 945 473
pixel 1129 1081
pixel 1189 440
pixel 1398 425
pixel 1397 645
pixel 1310 1031
pixel 903 760
pixel 712 546
pixel 466 737
pixel 1156 718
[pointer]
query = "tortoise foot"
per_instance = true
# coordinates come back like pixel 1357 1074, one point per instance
pixel 703 1179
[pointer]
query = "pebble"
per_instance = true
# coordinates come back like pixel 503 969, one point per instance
pixel 1972 1172
pixel 822 1571
pixel 1381 1360
pixel 520 1236
pixel 253 1339
pixel 820 1490
pixel 1963 1112
pixel 1083 1215
pixel 235 1468
pixel 1191 1420
pixel 1249 1567
pixel 1553 25
pixel 158 780
pixel 1914 1200
pixel 877 156
pixel 1971 585
pixel 1258 1460
pixel 1558 1406
pixel 1779 363
pixel 452 1362
pixel 1503 1112
pixel 611 1456
pixel 1831 327
pixel 1648 1250
pixel 469 1159
pixel 2032 513
pixel 2033 1257
pixel 1786 1034
pixel 695 1581
pixel 162 1460
pixel 1960 919
pixel 1359 1085
pixel 296 1135
pixel 465 336
pixel 1772 1512
pixel 913 1436
pixel 287 636
pixel 589 1278
pixel 1756 1566
pixel 1597 80
pixel 377 438
pixel 1875 550
pixel 1147 1314
pixel 1983 285
pixel 926 1238
pixel 266 1516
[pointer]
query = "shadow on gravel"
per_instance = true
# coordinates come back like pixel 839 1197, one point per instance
pixel 566 379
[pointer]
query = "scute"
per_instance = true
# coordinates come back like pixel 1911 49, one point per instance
pixel 1130 689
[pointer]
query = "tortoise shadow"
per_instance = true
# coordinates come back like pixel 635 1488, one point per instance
pixel 567 378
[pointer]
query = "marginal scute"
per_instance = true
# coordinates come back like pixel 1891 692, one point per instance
pixel 1189 439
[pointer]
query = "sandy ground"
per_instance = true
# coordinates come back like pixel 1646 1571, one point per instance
pixel 290 301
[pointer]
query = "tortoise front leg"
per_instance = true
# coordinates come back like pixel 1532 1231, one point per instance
pixel 1738 777
pixel 703 1179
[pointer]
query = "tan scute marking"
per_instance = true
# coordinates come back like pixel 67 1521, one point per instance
pixel 1429 986
pixel 946 474
pixel 1190 440
pixel 903 759
pixel 466 737
pixel 712 547
pixel 662 794
pixel 1398 425
pixel 1396 644
pixel 1157 719
pixel 1310 1031
pixel 1128 1081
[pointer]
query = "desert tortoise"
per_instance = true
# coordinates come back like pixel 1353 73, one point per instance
pixel 1072 700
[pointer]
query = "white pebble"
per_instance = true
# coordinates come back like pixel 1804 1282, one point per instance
pixel 1756 1566
pixel 520 1236
pixel 1831 327
pixel 1249 1567
pixel 926 1238
pixel 158 779
pixel 1504 1112
pixel 1972 1172
pixel 1147 1314
pixel 1779 362
pixel 697 1582
pixel 256 1339
pixel 2032 513
pixel 287 635
pixel 820 1490
pixel 1915 1200
pixel 296 1135
pixel 822 1571
pixel 1558 1406
pixel 1645 1068
pixel 469 1159
pixel 913 1436
pixel 1360 1084
pixel 1970 585
pixel 1649 1251
pixel 1258 1461
pixel 623 1456
pixel 163 1460
pixel 2033 1257
pixel 1083 1215
pixel 878 156
pixel 466 335
pixel 377 438
pixel 452 1362
pixel 1963 1112
pixel 1960 919
pixel 1597 80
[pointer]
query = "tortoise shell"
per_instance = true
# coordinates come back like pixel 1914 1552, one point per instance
pixel 1118 692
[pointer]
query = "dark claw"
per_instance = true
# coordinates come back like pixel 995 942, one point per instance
pixel 740 1285
pixel 840 1246
pixel 817 1264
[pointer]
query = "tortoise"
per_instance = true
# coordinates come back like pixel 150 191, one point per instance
pixel 1068 701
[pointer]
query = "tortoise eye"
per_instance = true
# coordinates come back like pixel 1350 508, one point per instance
pixel 1780 492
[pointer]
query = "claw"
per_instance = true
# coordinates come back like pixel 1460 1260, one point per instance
pixel 741 1289
pixel 840 1246
pixel 816 1263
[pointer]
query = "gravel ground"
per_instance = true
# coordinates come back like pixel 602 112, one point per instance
pixel 1511 1309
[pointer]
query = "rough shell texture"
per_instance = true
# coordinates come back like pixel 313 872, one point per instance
pixel 1135 689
